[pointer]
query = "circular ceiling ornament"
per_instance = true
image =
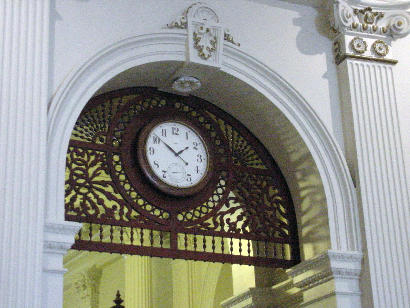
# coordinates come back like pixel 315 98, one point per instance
pixel 358 45
pixel 186 84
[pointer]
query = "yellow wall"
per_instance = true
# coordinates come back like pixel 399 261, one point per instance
pixel 93 279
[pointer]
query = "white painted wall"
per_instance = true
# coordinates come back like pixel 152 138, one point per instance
pixel 283 36
pixel 293 40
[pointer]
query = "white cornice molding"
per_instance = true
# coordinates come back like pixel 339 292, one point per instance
pixel 327 266
pixel 59 237
pixel 382 4
pixel 286 295
pixel 240 299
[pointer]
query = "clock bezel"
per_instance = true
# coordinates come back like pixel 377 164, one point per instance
pixel 152 176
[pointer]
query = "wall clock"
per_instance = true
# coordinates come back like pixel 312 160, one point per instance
pixel 175 156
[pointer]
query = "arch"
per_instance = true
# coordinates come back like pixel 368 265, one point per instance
pixel 80 86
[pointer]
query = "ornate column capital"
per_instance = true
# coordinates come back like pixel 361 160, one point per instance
pixel 366 28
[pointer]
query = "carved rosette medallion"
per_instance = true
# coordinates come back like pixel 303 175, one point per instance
pixel 380 48
pixel 358 45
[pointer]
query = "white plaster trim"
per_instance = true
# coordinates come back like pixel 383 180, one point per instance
pixel 82 83
pixel 56 247
pixel 266 297
pixel 329 257
pixel 59 237
pixel 335 265
pixel 55 271
pixel 235 300
pixel 328 295
pixel 382 4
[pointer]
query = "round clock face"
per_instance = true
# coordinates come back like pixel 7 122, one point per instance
pixel 176 155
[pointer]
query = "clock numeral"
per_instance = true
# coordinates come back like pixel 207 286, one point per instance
pixel 164 174
pixel 186 135
pixel 195 144
pixel 164 132
pixel 175 130
pixel 151 151
pixel 156 139
pixel 197 169
pixel 156 164
pixel 189 178
pixel 199 158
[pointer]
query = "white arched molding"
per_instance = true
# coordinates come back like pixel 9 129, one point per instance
pixel 170 45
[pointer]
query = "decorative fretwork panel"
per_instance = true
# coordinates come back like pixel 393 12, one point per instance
pixel 243 215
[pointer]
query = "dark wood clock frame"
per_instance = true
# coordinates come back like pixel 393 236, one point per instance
pixel 150 174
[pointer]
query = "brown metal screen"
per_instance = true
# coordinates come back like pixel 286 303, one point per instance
pixel 244 215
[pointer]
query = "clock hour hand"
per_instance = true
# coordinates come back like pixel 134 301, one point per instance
pixel 177 154
pixel 172 150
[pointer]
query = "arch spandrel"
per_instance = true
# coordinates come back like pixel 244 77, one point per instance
pixel 83 83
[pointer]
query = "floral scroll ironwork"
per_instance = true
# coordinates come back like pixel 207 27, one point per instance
pixel 244 214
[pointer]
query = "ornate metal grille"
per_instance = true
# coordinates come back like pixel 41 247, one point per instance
pixel 244 214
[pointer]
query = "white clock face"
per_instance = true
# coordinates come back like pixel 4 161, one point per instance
pixel 176 154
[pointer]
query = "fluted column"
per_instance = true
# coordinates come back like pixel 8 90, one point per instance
pixel 24 32
pixel 383 188
pixel 138 286
pixel 363 52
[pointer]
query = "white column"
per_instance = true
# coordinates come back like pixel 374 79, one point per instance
pixel 24 32
pixel 383 188
pixel 138 286
pixel 363 52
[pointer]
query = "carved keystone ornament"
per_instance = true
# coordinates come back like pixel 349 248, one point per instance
pixel 206 34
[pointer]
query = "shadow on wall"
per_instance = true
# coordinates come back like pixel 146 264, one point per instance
pixel 309 42
pixel 306 188
pixel 288 149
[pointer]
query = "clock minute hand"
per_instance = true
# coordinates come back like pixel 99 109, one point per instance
pixel 173 151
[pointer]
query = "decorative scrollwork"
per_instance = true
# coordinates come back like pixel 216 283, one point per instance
pixel 243 215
